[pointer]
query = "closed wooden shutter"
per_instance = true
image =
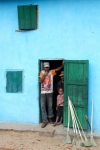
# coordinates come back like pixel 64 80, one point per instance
pixel 27 17
pixel 13 81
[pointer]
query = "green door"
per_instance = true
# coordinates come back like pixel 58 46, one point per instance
pixel 76 87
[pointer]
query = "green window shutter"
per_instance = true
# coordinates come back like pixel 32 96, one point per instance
pixel 13 81
pixel 27 17
pixel 76 87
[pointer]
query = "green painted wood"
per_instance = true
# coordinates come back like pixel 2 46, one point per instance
pixel 39 85
pixel 27 17
pixel 76 87
pixel 13 81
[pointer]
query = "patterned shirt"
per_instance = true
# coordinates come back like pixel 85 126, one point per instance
pixel 47 84
pixel 60 100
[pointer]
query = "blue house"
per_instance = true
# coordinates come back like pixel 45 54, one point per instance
pixel 34 31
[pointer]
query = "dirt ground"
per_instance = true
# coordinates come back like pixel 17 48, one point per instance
pixel 28 140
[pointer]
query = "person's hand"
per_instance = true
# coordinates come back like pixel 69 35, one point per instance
pixel 63 62
pixel 45 73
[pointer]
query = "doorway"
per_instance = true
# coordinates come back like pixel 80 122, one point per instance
pixel 75 86
pixel 53 65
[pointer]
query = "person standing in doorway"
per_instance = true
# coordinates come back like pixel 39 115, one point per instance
pixel 61 82
pixel 59 107
pixel 46 80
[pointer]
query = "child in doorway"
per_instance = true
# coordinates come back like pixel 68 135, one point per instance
pixel 59 108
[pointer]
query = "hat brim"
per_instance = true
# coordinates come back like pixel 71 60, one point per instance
pixel 61 75
pixel 46 66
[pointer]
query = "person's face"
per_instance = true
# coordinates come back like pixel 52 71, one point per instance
pixel 60 91
pixel 46 69
pixel 62 78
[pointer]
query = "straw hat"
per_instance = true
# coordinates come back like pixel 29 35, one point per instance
pixel 62 73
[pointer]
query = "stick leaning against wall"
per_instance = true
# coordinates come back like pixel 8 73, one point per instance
pixel 91 127
pixel 78 138
pixel 67 139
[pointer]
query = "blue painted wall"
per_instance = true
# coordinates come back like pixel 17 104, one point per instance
pixel 68 29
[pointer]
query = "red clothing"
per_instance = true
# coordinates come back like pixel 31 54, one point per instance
pixel 60 100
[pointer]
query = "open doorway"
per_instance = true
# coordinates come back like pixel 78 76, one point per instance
pixel 75 86
pixel 53 65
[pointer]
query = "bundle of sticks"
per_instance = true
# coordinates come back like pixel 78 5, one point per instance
pixel 79 138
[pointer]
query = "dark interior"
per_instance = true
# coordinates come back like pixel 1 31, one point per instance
pixel 53 65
